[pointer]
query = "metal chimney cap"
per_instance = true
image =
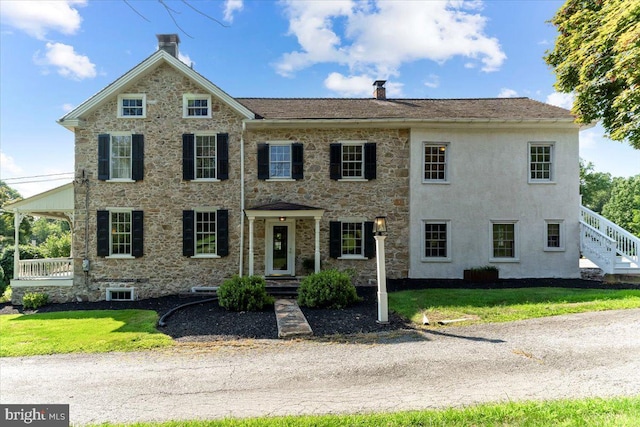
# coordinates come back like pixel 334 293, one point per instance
pixel 379 83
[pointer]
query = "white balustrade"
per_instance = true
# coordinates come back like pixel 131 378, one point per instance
pixel 48 268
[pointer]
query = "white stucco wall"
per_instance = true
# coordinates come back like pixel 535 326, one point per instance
pixel 488 169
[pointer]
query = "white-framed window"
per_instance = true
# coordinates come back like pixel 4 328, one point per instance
pixel 121 237
pixel 206 232
pixel 437 240
pixel 196 105
pixel 279 161
pixel 504 241
pixel 352 239
pixel 132 105
pixel 541 162
pixel 205 156
pixel 554 235
pixel 352 160
pixel 435 162
pixel 121 157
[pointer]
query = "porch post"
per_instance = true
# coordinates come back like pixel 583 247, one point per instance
pixel 17 220
pixel 317 251
pixel 251 220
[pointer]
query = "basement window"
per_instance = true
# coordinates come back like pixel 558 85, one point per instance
pixel 120 294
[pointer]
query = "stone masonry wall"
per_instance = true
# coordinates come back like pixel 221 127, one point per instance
pixel 162 194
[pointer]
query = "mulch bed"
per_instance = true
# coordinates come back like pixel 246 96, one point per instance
pixel 207 321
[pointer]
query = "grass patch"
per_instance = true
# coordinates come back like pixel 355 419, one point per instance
pixel 618 412
pixel 93 331
pixel 506 305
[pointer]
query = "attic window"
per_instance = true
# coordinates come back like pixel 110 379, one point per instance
pixel 120 294
pixel 132 105
pixel 194 105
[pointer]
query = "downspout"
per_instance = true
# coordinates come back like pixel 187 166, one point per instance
pixel 241 261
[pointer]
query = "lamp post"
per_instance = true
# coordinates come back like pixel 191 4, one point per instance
pixel 379 234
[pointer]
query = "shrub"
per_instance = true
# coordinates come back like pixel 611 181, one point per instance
pixel 57 246
pixel 26 252
pixel 244 294
pixel 34 300
pixel 6 295
pixel 328 288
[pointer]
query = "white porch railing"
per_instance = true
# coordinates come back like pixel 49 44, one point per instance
pixel 603 242
pixel 48 268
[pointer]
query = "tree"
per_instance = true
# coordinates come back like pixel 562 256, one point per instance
pixel 597 57
pixel 624 206
pixel 595 187
pixel 42 228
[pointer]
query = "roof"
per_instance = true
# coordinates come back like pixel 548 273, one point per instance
pixel 283 206
pixel 509 109
pixel 56 203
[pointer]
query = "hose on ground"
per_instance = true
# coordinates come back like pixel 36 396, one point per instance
pixel 162 322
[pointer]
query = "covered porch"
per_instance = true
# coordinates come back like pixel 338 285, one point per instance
pixel 58 204
pixel 281 220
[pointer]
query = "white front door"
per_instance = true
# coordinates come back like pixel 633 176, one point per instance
pixel 280 247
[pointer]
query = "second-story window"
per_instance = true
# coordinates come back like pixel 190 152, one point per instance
pixel 435 162
pixel 198 106
pixel 120 157
pixel 280 160
pixel 540 162
pixel 353 160
pixel 205 157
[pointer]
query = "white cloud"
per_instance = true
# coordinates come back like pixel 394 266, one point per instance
pixel 433 82
pixel 564 100
pixel 67 61
pixel 37 18
pixel 185 58
pixel 380 36
pixel 359 86
pixel 590 138
pixel 507 93
pixel 230 7
pixel 67 107
pixel 8 165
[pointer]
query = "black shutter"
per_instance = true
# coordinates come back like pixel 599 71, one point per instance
pixel 263 161
pixel 188 234
pixel 188 162
pixel 297 161
pixel 103 233
pixel 137 153
pixel 370 160
pixel 103 156
pixel 335 239
pixel 137 233
pixel 222 234
pixel 335 161
pixel 369 241
pixel 222 141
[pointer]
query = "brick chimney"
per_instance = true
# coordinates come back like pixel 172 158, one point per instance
pixel 379 92
pixel 169 43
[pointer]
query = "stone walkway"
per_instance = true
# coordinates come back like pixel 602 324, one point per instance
pixel 290 319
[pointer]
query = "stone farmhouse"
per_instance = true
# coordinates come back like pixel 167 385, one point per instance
pixel 180 185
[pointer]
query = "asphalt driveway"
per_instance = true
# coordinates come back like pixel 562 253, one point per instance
pixel 582 355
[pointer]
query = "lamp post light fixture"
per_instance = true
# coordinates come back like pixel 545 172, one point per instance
pixel 379 234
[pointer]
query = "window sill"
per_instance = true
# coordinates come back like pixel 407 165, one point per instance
pixel 436 182
pixel 554 249
pixel 207 256
pixel 505 260
pixel 196 117
pixel 353 180
pixel 132 117
pixel 542 182
pixel 280 180
pixel 205 180
pixel 120 180
pixel 434 259
pixel 120 257
pixel 356 257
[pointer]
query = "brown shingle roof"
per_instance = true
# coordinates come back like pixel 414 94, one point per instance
pixel 421 109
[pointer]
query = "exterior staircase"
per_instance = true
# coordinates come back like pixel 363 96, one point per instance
pixel 613 249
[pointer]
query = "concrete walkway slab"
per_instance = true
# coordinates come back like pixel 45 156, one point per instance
pixel 290 319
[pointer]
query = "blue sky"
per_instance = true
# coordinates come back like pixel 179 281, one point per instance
pixel 55 55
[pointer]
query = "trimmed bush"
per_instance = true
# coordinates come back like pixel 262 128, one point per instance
pixel 34 300
pixel 327 289
pixel 244 294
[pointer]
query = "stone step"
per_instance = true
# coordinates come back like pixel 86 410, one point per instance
pixel 290 319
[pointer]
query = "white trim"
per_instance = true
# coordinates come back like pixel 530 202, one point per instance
pixel 209 210
pixel 361 255
pixel 560 248
pixel 516 241
pixel 353 143
pixel 195 96
pixel 45 283
pixel 447 149
pixel 109 290
pixel 195 156
pixel 291 247
pixel 123 96
pixel 423 241
pixel 552 154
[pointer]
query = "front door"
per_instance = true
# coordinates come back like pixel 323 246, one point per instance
pixel 280 260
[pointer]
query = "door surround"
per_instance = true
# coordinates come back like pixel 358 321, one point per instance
pixel 269 269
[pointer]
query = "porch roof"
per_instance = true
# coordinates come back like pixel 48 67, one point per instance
pixel 283 209
pixel 56 203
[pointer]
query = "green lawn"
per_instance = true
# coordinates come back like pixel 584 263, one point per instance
pixel 615 412
pixel 80 331
pixel 506 305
